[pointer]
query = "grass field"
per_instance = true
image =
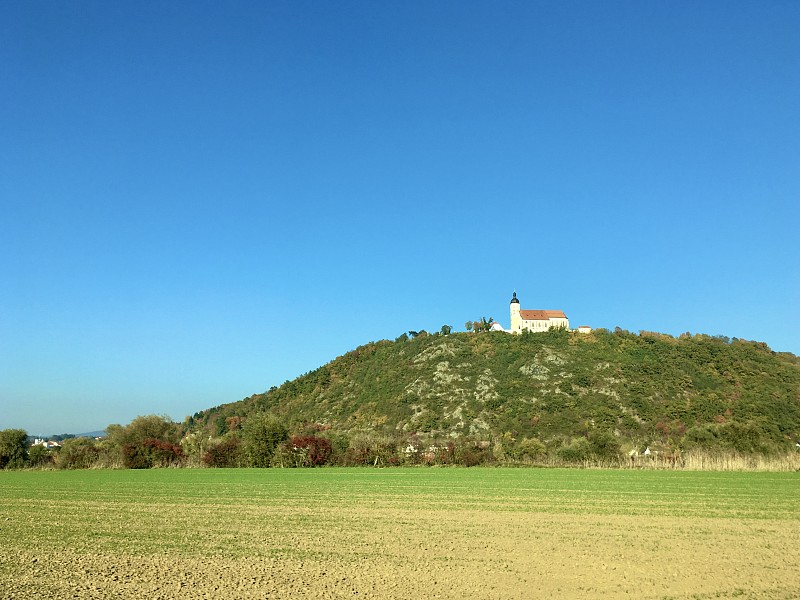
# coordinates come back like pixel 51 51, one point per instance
pixel 399 533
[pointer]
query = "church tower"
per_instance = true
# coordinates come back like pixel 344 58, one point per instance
pixel 516 319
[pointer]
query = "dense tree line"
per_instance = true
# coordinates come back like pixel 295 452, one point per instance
pixel 264 441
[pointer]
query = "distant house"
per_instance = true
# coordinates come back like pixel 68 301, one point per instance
pixel 535 320
pixel 46 443
pixel 584 329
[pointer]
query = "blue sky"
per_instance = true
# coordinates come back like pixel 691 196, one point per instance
pixel 200 200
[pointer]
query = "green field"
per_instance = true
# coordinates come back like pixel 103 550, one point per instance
pixel 398 533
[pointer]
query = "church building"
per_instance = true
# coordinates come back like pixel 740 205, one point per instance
pixel 535 320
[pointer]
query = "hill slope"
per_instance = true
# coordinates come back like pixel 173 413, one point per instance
pixel 554 386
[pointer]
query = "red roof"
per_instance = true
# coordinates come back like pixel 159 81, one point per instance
pixel 541 315
pixel 534 315
pixel 556 314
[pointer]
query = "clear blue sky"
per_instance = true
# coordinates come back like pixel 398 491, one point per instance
pixel 200 200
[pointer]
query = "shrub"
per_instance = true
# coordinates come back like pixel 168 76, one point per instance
pixel 39 456
pixel 195 445
pixel 700 436
pixel 340 443
pixel 151 453
pixel 371 449
pixel 143 428
pixel 578 451
pixel 261 434
pixel 77 453
pixel 13 448
pixel 225 454
pixel 531 449
pixel 315 450
pixel 129 441
pixel 285 456
pixel 746 438
pixel 472 454
pixel 603 445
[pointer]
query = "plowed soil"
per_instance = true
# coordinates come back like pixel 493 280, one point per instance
pixel 398 534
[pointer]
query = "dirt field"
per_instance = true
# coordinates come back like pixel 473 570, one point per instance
pixel 444 533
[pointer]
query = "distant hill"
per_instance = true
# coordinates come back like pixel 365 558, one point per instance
pixel 66 436
pixel 642 388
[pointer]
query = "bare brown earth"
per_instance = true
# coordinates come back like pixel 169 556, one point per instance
pixel 384 548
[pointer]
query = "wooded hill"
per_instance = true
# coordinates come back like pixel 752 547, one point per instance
pixel 555 387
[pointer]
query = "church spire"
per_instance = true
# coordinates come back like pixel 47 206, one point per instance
pixel 516 319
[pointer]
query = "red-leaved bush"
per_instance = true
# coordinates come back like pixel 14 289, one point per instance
pixel 317 450
pixel 151 453
pixel 226 454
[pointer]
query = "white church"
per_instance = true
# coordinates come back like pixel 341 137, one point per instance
pixel 536 320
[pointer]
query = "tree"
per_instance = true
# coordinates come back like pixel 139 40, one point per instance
pixel 446 329
pixel 151 453
pixel 77 453
pixel 129 445
pixel 480 326
pixel 39 456
pixel 13 448
pixel 195 445
pixel 468 325
pixel 311 451
pixel 147 427
pixel 577 451
pixel 370 448
pixel 225 454
pixel 603 445
pixel 261 434
pixel 531 449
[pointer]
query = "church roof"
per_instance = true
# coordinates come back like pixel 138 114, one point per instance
pixel 534 315
pixel 556 314
pixel 541 315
